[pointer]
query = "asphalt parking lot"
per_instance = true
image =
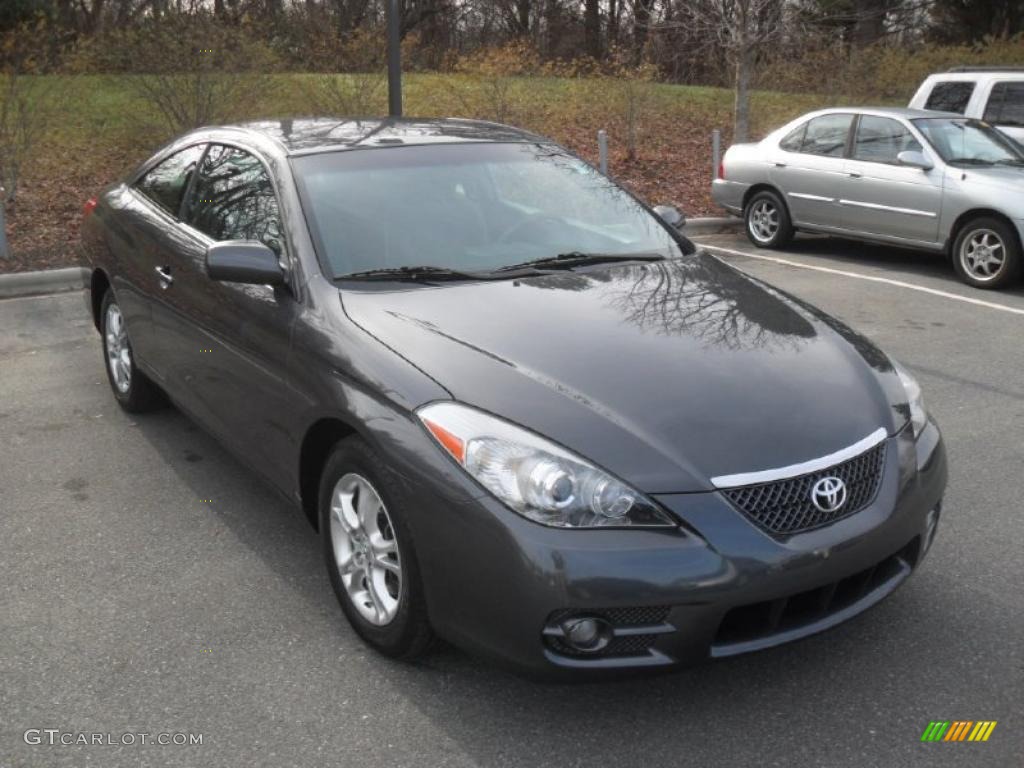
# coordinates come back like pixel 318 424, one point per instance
pixel 150 584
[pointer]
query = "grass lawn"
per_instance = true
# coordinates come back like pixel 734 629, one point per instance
pixel 99 127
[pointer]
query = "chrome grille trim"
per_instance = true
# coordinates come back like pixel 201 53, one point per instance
pixel 803 468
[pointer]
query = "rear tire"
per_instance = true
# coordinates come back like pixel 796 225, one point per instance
pixel 133 391
pixel 986 254
pixel 368 550
pixel 766 220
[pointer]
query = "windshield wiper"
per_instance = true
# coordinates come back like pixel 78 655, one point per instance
pixel 579 258
pixel 1011 162
pixel 431 273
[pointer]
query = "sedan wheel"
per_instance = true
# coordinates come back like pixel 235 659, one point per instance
pixel 986 254
pixel 365 550
pixel 132 389
pixel 767 220
pixel 369 552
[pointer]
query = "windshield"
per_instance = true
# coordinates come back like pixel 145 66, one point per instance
pixel 968 142
pixel 467 207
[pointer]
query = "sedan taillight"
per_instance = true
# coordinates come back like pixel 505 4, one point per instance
pixel 89 207
pixel 721 169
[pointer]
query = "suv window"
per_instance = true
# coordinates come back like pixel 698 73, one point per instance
pixel 165 184
pixel 826 135
pixel 233 199
pixel 1006 104
pixel 881 139
pixel 950 96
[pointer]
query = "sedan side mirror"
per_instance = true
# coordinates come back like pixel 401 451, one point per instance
pixel 243 261
pixel 914 159
pixel 670 215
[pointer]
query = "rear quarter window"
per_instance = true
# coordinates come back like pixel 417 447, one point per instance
pixel 1006 104
pixel 950 96
pixel 166 182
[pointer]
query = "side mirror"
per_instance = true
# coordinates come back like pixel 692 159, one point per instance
pixel 243 261
pixel 670 215
pixel 914 159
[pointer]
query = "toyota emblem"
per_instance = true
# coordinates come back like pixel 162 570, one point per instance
pixel 829 494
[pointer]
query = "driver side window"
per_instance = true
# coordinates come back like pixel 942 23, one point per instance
pixel 234 199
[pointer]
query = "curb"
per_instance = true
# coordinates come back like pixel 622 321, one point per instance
pixel 712 225
pixel 43 281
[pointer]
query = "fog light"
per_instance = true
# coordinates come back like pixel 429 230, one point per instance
pixel 586 634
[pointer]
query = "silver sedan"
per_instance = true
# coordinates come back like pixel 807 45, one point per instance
pixel 912 178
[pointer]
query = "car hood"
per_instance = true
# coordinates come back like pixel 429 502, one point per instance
pixel 666 374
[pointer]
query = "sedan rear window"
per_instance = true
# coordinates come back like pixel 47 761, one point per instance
pixel 950 96
pixel 467 207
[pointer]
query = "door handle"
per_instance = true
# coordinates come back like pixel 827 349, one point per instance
pixel 855 174
pixel 780 165
pixel 164 273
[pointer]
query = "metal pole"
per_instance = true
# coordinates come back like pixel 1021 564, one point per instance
pixel 3 225
pixel 602 151
pixel 394 59
pixel 716 152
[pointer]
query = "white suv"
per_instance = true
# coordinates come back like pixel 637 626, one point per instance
pixel 995 95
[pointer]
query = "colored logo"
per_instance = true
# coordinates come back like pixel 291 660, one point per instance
pixel 829 494
pixel 958 730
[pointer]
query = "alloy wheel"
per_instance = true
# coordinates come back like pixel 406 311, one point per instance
pixel 982 254
pixel 763 221
pixel 119 352
pixel 365 550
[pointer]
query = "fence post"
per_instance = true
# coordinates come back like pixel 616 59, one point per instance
pixel 3 224
pixel 716 152
pixel 602 151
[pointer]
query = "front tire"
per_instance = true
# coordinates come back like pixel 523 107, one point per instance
pixel 986 254
pixel 133 391
pixel 767 220
pixel 369 552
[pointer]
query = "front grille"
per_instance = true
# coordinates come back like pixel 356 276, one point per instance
pixel 784 507
pixel 762 621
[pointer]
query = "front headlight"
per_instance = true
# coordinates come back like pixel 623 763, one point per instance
pixel 918 414
pixel 536 478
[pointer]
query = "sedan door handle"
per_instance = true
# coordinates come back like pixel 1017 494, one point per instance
pixel 164 273
pixel 855 174
pixel 780 165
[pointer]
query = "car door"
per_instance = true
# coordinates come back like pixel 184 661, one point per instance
pixel 144 238
pixel 881 197
pixel 1005 108
pixel 232 357
pixel 807 167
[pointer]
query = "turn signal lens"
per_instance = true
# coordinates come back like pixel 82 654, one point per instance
pixel 535 477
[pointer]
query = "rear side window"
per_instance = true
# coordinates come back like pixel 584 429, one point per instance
pixel 881 139
pixel 827 135
pixel 234 199
pixel 794 139
pixel 1006 104
pixel 165 184
pixel 951 96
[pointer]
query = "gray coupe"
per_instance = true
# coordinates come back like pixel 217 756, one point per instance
pixel 907 177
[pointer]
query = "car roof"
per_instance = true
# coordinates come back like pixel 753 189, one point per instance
pixel 904 112
pixel 308 135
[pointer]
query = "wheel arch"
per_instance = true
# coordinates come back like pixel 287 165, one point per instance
pixel 967 217
pixel 317 444
pixel 765 187
pixel 99 284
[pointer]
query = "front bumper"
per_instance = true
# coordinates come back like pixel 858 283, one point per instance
pixel 501 585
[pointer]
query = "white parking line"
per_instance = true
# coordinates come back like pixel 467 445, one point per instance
pixel 871 278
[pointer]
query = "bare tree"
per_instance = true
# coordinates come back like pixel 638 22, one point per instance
pixel 743 29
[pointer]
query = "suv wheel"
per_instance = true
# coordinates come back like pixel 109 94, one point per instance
pixel 986 254
pixel 767 220
pixel 369 551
